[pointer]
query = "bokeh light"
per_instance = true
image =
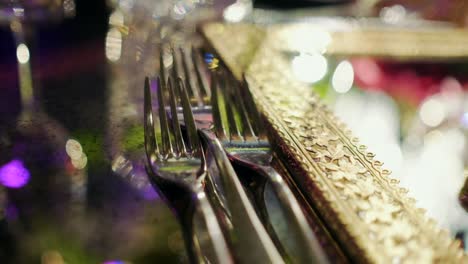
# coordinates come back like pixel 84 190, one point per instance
pixel 81 162
pixel 69 8
pixel 343 77
pixel 113 45
pixel 309 68
pixel 235 12
pixel 22 53
pixel 393 14
pixel 14 174
pixel 432 112
pixel 74 150
pixel 18 11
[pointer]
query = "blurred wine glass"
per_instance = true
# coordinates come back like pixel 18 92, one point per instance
pixel 35 143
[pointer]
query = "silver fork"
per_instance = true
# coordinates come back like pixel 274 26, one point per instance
pixel 244 139
pixel 187 65
pixel 249 238
pixel 176 164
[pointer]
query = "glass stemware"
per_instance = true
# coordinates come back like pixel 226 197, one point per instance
pixel 35 143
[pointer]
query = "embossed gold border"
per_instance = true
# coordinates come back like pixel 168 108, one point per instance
pixel 368 212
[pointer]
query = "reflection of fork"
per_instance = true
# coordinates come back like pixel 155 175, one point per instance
pixel 249 237
pixel 244 139
pixel 177 166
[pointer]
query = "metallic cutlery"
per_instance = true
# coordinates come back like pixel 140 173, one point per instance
pixel 248 236
pixel 231 126
pixel 244 139
pixel 176 164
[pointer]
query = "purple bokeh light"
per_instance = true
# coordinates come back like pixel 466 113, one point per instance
pixel 114 262
pixel 14 174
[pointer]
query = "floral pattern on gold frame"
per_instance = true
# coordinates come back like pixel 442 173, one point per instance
pixel 370 215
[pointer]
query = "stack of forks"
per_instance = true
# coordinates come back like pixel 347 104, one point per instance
pixel 207 119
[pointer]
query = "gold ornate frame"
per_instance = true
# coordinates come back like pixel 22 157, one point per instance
pixel 367 212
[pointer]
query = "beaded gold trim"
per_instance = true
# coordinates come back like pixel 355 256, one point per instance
pixel 369 213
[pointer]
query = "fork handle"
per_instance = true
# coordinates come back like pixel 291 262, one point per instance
pixel 251 241
pixel 213 246
pixel 307 243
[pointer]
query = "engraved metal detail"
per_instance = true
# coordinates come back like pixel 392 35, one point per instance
pixel 357 197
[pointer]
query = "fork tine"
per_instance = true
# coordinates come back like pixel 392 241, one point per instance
pixel 175 65
pixel 218 124
pixel 192 90
pixel 166 146
pixel 178 139
pixel 246 130
pixel 251 107
pixel 162 70
pixel 151 146
pixel 197 62
pixel 175 70
pixel 186 72
pixel 194 142
pixel 234 130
